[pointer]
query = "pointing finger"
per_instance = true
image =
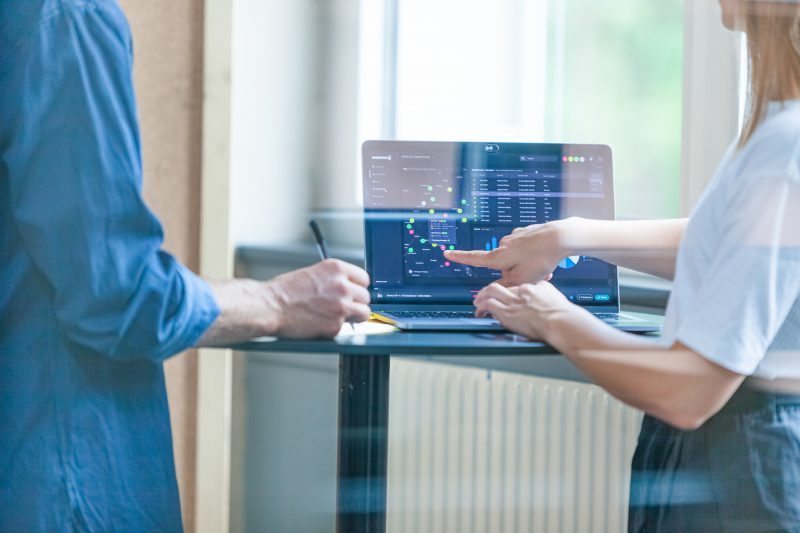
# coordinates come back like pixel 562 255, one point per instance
pixel 477 258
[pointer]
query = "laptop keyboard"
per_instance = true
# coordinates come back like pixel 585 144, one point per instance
pixel 469 314
pixel 607 316
pixel 433 314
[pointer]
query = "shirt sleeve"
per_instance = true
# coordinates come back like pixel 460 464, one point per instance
pixel 753 280
pixel 69 143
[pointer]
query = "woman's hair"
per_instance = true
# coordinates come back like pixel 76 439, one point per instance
pixel 773 46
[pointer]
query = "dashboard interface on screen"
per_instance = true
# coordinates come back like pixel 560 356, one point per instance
pixel 422 198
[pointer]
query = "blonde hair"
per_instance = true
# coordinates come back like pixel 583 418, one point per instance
pixel 773 46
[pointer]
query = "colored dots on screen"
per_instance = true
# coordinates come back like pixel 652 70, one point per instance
pixel 445 215
pixel 452 247
pixel 411 232
pixel 449 189
pixel 433 198
pixel 463 202
pixel 411 250
pixel 459 210
pixel 430 188
pixel 412 220
pixel 423 241
pixel 443 247
pixel 409 226
pixel 464 220
pixel 431 211
pixel 447 263
pixel 424 203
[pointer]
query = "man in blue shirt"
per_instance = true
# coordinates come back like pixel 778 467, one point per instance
pixel 90 305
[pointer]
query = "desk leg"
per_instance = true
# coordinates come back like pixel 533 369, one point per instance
pixel 363 443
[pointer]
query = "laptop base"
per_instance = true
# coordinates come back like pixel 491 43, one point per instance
pixel 624 321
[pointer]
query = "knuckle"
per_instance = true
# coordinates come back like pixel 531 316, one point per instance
pixel 332 265
pixel 339 287
pixel 340 307
pixel 528 288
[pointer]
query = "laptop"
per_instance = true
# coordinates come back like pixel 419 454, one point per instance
pixel 421 198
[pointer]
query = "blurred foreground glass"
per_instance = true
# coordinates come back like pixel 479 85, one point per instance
pixel 576 71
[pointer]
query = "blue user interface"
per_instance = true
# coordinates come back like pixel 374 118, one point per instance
pixel 424 198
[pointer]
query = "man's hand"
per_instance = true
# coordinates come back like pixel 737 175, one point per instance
pixel 307 303
pixel 316 301
pixel 525 309
pixel 528 255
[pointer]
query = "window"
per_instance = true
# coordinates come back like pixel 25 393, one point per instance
pixel 581 71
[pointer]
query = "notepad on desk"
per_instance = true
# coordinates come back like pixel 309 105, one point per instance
pixel 371 327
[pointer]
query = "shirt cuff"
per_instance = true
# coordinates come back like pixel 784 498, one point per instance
pixel 198 311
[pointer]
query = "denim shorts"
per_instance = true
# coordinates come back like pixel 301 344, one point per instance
pixel 739 472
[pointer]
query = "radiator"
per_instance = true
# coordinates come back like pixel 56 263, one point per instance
pixel 472 451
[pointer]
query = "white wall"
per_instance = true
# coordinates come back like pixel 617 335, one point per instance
pixel 338 99
pixel 273 101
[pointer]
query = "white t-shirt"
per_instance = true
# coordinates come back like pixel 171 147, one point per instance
pixel 736 296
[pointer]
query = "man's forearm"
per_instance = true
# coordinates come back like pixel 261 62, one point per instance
pixel 311 302
pixel 648 246
pixel 248 309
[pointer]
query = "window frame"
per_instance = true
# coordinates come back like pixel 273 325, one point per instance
pixel 711 104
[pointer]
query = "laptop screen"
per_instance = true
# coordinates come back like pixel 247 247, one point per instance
pixel 422 198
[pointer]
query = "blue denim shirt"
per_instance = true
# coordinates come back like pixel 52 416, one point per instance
pixel 90 305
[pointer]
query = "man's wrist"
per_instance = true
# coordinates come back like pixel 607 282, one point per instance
pixel 274 302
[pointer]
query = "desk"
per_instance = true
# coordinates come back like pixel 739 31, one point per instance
pixel 364 404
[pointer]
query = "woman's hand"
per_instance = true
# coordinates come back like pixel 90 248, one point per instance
pixel 525 309
pixel 528 255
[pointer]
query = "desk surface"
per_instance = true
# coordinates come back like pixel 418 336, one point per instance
pixel 406 343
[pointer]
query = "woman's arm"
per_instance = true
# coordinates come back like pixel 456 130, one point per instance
pixel 530 254
pixel 649 246
pixel 674 384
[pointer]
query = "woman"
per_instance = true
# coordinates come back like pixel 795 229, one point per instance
pixel 719 448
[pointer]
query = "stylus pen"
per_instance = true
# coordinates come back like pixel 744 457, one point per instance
pixel 322 244
pixel 322 247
